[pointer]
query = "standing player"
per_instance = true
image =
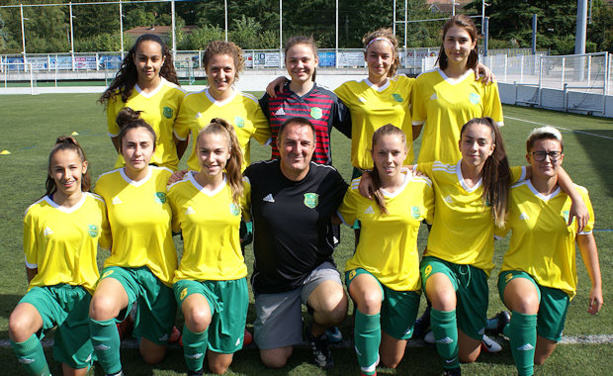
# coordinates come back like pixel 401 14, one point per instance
pixel 210 284
pixel 538 277
pixel 302 97
pixel 143 257
pixel 446 98
pixel 383 275
pixel 223 62
pixel 147 82
pixel 60 238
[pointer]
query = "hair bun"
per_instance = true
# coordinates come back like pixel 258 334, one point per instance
pixel 126 116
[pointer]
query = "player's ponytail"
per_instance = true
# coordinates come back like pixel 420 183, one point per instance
pixel 496 173
pixel 235 162
pixel 67 143
pixel 128 119
pixel 386 130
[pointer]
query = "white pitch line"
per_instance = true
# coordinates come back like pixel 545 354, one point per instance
pixel 565 129
pixel 595 339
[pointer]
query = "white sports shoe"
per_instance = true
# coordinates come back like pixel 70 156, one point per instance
pixel 489 345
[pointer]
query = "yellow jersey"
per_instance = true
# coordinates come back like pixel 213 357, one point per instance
pixel 159 109
pixel 371 108
pixel 140 218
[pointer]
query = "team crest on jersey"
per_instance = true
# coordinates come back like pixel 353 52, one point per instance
pixel 311 200
pixel 316 113
pixel 183 293
pixel 160 197
pixel 474 98
pixel 239 121
pixel 565 214
pixel 234 209
pixel 415 212
pixel 92 230
pixel 167 112
pixel 397 97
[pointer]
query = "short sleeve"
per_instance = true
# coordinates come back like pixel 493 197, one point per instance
pixel 492 105
pixel 172 198
pixel 264 105
pixel 347 212
pixel 181 126
pixel 342 118
pixel 418 105
pixel 518 173
pixel 246 200
pixel 586 199
pixel 105 241
pixel 429 204
pixel 426 168
pixel 262 127
pixel 30 245
pixel 112 109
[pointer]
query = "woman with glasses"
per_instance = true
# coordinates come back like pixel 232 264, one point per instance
pixel 538 277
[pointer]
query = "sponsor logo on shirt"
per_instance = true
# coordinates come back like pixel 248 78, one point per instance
pixel 397 97
pixel 198 115
pixel 48 231
pixel 474 98
pixel 448 199
pixel 167 112
pixel 268 198
pixel 160 197
pixel 433 97
pixel 523 217
pixel 92 230
pixel 189 210
pixel 116 200
pixel 239 121
pixel 234 209
pixel 369 210
pixel 363 100
pixel 316 113
pixel 311 200
pixel 280 112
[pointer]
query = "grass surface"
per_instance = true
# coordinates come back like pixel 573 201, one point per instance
pixel 30 125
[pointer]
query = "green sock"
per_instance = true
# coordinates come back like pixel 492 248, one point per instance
pixel 367 336
pixel 194 348
pixel 107 343
pixel 522 338
pixel 445 329
pixel 31 355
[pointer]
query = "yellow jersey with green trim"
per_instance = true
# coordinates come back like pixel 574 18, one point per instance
pixel 242 110
pixel 463 228
pixel 140 218
pixel 159 109
pixel 210 223
pixel 371 108
pixel 62 243
pixel 542 244
pixel 443 105
pixel 388 242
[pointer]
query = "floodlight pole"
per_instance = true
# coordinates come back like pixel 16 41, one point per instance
pixel 394 18
pixel 71 37
pixel 406 17
pixel 225 7
pixel 482 17
pixel 23 38
pixel 280 25
pixel 581 27
pixel 336 36
pixel 120 29
pixel 174 34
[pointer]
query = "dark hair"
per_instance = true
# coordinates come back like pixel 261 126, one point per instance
pixel 301 39
pixel 128 119
pixel 467 24
pixel 220 47
pixel 127 76
pixel 67 143
pixel 235 162
pixel 386 130
pixel 299 121
pixel 496 173
pixel 388 34
pixel 544 133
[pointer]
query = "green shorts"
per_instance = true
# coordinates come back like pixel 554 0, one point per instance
pixel 472 293
pixel 553 305
pixel 155 314
pixel 229 301
pixel 398 308
pixel 67 307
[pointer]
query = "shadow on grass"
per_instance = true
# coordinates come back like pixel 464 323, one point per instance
pixel 9 302
pixel 599 152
